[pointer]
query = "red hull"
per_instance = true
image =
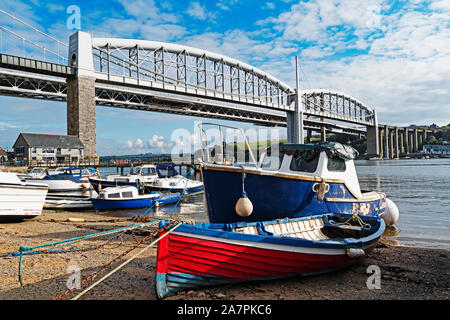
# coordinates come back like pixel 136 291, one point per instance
pixel 206 261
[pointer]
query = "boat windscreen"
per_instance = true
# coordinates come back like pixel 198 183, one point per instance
pixel 310 151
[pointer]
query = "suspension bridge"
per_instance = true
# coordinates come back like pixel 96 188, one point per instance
pixel 170 78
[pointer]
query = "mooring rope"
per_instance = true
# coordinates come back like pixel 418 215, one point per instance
pixel 28 250
pixel 124 263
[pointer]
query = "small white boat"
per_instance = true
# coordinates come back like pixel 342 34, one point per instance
pixel 38 173
pixel 169 180
pixel 144 174
pixel 128 197
pixel 20 199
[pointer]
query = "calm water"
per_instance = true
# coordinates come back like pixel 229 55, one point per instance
pixel 420 189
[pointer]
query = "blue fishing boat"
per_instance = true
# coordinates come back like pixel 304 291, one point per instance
pixel 126 197
pixel 289 180
pixel 204 254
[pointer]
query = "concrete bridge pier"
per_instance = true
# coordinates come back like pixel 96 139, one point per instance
pixel 406 141
pixel 373 138
pixel 81 116
pixel 386 142
pixel 416 141
pixel 396 143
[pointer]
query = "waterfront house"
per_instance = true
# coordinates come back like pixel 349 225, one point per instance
pixel 33 148
pixel 443 149
pixel 3 155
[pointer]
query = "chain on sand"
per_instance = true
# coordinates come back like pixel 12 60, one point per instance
pixel 105 267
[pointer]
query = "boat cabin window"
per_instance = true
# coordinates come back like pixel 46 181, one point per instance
pixel 167 172
pixel 114 195
pixel 298 163
pixel 335 164
pixel 127 194
pixel 272 160
pixel 148 171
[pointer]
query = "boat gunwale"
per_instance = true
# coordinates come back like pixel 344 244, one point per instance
pixel 368 198
pixel 24 186
pixel 216 230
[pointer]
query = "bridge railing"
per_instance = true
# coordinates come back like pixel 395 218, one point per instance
pixel 188 70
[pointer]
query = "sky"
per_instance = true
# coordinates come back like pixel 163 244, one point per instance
pixel 394 56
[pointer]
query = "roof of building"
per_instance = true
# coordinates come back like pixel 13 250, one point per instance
pixel 51 140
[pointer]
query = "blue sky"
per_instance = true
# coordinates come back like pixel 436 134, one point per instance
pixel 392 55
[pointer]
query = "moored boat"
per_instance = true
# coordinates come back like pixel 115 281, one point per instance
pixel 128 198
pixel 205 254
pixel 18 199
pixel 69 179
pixel 290 180
pixel 67 202
pixel 169 180
pixel 98 184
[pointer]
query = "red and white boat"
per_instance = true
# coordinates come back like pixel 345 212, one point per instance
pixel 206 254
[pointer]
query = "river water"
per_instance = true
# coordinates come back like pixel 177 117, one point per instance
pixel 419 187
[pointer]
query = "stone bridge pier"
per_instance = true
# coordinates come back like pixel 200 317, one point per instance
pixel 81 116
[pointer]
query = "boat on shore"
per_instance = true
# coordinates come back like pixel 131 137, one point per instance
pixel 210 254
pixel 126 197
pixel 18 199
pixel 69 179
pixel 169 180
pixel 67 202
pixel 290 180
pixel 98 184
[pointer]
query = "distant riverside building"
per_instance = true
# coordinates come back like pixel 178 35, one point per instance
pixel 3 155
pixel 436 149
pixel 50 148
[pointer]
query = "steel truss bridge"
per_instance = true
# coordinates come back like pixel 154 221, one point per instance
pixel 29 78
pixel 172 78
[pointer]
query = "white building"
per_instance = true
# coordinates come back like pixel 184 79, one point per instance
pixel 436 149
pixel 51 148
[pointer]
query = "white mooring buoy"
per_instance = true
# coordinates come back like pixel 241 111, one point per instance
pixel 244 206
pixel 391 214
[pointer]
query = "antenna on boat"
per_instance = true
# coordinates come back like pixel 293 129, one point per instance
pixel 298 106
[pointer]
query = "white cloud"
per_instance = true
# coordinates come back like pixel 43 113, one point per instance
pixel 156 141
pixel 199 12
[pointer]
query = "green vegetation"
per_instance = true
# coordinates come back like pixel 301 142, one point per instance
pixel 442 134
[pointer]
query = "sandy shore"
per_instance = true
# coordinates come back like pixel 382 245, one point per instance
pixel 407 273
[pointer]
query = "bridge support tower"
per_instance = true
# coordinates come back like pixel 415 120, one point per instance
pixel 81 116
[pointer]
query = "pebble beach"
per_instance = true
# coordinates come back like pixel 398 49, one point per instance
pixel 406 273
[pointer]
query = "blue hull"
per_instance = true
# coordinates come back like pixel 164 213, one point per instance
pixel 105 184
pixel 107 204
pixel 187 191
pixel 276 197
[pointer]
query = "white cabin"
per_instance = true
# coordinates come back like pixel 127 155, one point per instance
pixel 146 173
pixel 121 192
pixel 322 167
